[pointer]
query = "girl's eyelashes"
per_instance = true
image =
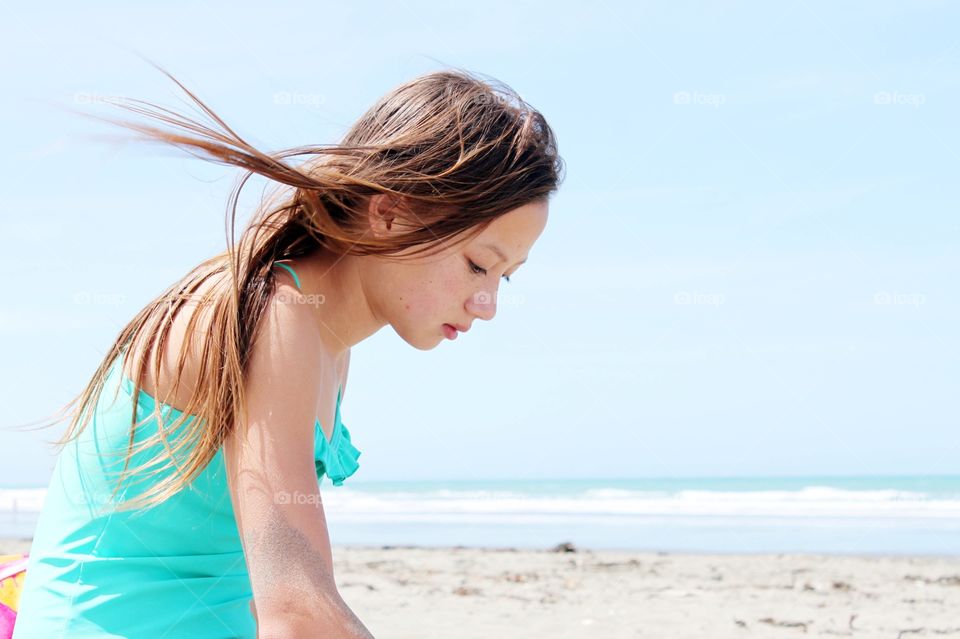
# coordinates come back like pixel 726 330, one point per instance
pixel 482 271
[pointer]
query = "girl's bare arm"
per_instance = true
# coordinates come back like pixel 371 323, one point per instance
pixel 273 486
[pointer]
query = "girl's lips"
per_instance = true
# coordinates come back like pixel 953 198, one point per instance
pixel 449 331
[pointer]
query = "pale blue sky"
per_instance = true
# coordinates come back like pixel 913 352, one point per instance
pixel 747 272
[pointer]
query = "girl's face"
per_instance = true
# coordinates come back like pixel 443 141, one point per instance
pixel 418 295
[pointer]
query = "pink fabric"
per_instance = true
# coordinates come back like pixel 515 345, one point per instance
pixel 7 618
pixel 9 569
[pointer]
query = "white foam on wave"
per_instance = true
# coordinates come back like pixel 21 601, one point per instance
pixel 807 502
pixel 815 501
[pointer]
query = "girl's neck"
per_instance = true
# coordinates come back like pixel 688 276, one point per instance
pixel 333 292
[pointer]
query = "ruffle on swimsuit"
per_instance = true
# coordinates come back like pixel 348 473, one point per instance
pixel 338 457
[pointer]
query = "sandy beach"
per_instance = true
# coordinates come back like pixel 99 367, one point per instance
pixel 409 592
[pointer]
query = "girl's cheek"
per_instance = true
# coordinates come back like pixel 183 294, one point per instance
pixel 449 283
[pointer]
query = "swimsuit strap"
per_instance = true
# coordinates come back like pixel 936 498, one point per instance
pixel 295 278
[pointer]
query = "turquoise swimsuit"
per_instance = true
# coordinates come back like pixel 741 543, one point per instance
pixel 170 571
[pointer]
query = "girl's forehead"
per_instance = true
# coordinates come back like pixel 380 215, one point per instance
pixel 513 233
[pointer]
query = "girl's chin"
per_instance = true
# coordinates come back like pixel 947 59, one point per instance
pixel 423 342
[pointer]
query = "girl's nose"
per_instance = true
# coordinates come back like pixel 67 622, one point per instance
pixel 483 304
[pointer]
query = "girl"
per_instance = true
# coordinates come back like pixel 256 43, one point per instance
pixel 187 483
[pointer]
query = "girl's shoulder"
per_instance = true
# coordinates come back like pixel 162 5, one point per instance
pixel 288 337
pixel 283 327
pixel 164 387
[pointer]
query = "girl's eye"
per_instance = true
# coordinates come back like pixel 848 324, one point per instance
pixel 482 271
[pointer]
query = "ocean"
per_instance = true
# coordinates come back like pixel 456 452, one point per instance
pixel 831 515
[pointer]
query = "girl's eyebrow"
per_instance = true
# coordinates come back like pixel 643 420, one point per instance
pixel 496 249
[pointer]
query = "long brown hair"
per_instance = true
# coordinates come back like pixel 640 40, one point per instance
pixel 455 149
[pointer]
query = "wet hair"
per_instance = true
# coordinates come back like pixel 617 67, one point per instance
pixel 451 149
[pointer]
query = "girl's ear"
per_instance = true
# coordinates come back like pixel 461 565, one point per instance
pixel 388 213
